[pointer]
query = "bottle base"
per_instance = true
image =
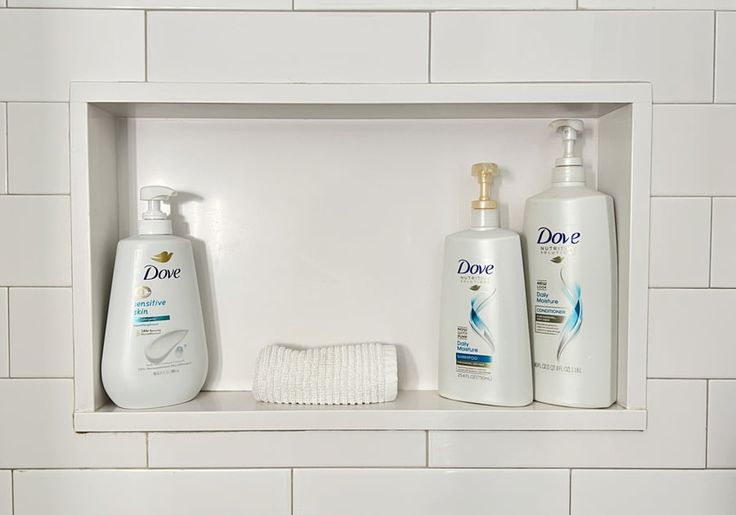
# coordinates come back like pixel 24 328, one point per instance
pixel 485 402
pixel 571 404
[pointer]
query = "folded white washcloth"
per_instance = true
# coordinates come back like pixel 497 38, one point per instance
pixel 361 373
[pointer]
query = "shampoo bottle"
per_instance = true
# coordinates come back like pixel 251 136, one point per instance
pixel 484 352
pixel 154 352
pixel 570 247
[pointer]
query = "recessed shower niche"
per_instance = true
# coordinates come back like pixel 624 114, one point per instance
pixel 318 213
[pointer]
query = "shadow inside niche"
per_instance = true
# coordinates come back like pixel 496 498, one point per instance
pixel 207 292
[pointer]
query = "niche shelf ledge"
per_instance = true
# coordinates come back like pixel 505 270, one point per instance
pixel 412 410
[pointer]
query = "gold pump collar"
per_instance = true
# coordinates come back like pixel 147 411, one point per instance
pixel 485 173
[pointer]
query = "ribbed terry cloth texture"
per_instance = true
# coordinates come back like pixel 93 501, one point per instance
pixel 361 373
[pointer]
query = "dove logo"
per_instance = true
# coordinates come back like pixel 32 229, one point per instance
pixel 151 272
pixel 466 267
pixel 163 256
pixel 547 236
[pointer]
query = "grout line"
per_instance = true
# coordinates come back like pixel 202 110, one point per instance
pixel 707 402
pixel 429 49
pixel 291 492
pixel 12 491
pixel 145 46
pixel 426 448
pixel 569 493
pixel 7 151
pixel 710 246
pixel 715 49
pixel 7 329
pixel 148 463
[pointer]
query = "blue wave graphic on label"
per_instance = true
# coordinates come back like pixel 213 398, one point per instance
pixel 575 319
pixel 477 304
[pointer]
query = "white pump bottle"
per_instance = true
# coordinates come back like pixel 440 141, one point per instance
pixel 484 352
pixel 570 247
pixel 155 353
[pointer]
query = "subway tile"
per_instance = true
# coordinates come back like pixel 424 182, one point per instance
pixel 674 438
pixel 6 493
pixel 689 334
pixel 287 47
pixel 657 4
pixel 578 46
pixel 722 424
pixel 152 492
pixel 37 432
pixel 726 57
pixel 723 250
pixel 270 5
pixel 691 150
pixel 288 449
pixel 38 148
pixel 428 5
pixel 41 341
pixel 36 241
pixel 673 261
pixel 429 492
pixel 647 492
pixel 4 345
pixel 3 148
pixel 42 50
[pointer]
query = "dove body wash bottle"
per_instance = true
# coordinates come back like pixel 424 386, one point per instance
pixel 570 247
pixel 154 353
pixel 484 350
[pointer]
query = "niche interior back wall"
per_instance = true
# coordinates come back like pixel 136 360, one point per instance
pixel 682 464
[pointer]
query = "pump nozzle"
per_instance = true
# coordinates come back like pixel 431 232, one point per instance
pixel 154 220
pixel 485 173
pixel 569 129
pixel 154 195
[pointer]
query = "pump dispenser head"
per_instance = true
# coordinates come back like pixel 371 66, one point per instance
pixel 484 212
pixel 568 168
pixel 154 220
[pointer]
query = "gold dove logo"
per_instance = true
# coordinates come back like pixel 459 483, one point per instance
pixel 163 256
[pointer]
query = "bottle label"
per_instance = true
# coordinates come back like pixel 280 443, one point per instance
pixel 163 345
pixel 557 297
pixel 474 341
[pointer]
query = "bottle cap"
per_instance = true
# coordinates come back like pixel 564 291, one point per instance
pixel 568 168
pixel 485 173
pixel 154 220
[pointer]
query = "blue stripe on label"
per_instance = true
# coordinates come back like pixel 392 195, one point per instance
pixel 477 358
pixel 144 320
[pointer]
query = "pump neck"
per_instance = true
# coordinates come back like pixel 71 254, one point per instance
pixel 484 219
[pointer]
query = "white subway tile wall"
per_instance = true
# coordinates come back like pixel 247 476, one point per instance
pixel 429 492
pixel 726 57
pixel 288 47
pixel 38 148
pixel 689 333
pixel 288 449
pixel 36 246
pixel 672 264
pixel 674 438
pixel 579 46
pixel 37 432
pixel 646 492
pixel 125 492
pixel 4 330
pixel 41 332
pixel 6 492
pixel 3 149
pixel 721 423
pixel 691 150
pixel 685 48
pixel 42 50
pixel 723 271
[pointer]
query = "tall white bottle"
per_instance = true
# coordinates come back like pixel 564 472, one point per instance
pixel 570 246
pixel 155 353
pixel 484 352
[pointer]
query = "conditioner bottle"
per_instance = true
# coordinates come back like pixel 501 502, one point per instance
pixel 570 247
